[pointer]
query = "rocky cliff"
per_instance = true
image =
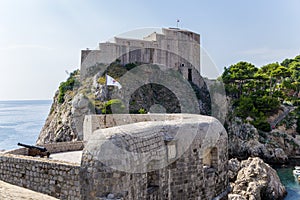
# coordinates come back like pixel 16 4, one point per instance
pixel 66 114
pixel 77 98
pixel 274 147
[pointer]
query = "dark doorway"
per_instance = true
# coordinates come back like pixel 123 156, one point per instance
pixel 190 78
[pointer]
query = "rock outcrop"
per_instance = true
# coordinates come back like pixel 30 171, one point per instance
pixel 77 98
pixel 234 165
pixel 245 141
pixel 255 180
pixel 64 122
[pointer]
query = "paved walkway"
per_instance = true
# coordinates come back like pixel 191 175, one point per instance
pixel 282 116
pixel 12 192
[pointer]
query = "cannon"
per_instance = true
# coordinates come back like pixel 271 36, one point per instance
pixel 36 150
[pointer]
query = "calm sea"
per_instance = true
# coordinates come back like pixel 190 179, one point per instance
pixel 21 121
pixel 290 182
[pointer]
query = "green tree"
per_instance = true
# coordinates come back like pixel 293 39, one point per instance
pixel 237 75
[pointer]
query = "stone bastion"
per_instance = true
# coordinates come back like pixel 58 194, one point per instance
pixel 150 156
pixel 154 156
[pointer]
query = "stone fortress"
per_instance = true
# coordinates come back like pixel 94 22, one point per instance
pixel 175 51
pixel 135 156
pixel 173 48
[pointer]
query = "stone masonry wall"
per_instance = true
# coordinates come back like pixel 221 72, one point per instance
pixel 64 146
pixel 155 159
pixel 183 43
pixel 55 178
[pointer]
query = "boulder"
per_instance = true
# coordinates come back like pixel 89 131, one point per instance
pixel 235 197
pixel 257 180
pixel 80 107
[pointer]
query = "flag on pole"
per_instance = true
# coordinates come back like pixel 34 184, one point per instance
pixel 111 81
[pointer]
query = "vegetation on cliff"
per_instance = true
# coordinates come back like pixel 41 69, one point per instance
pixel 68 85
pixel 258 93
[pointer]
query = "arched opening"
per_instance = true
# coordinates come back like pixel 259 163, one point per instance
pixel 154 97
pixel 210 157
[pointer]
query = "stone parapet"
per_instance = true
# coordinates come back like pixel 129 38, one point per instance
pixel 55 178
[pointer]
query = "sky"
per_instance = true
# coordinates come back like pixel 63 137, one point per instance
pixel 41 39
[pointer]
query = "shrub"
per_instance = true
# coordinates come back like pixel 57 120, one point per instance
pixel 262 125
pixel 113 105
pixel 68 86
pixel 142 111
pixel 102 80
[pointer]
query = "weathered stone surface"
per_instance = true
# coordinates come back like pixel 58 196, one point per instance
pixel 80 107
pixel 52 177
pixel 245 141
pixel 65 120
pixel 257 180
pixel 233 168
pixel 235 197
pixel 183 156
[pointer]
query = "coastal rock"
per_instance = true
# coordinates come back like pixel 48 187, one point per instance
pixel 257 180
pixel 57 127
pixel 235 197
pixel 234 166
pixel 65 120
pixel 279 155
pixel 246 141
pixel 80 107
pixel 90 96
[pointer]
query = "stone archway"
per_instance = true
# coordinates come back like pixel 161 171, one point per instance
pixel 154 98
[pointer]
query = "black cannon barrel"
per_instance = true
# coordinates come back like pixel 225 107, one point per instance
pixel 42 149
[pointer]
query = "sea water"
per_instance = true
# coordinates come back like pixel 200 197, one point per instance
pixel 290 182
pixel 21 121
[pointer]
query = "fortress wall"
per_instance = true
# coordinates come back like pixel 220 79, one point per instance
pixel 20 151
pixel 64 146
pixel 94 122
pixel 55 178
